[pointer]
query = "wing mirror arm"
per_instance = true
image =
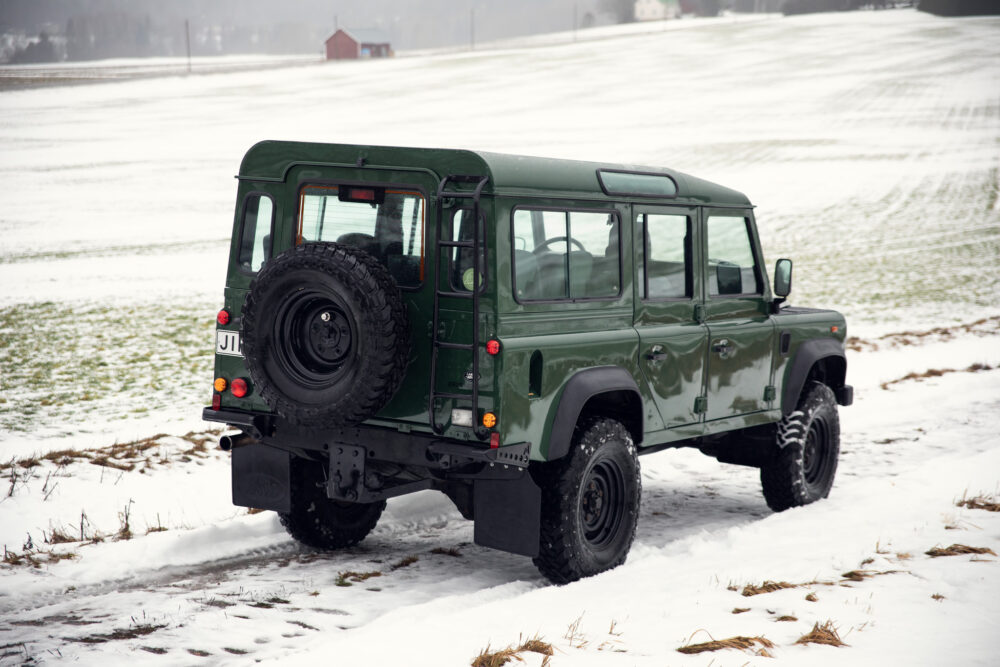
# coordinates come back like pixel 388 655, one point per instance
pixel 782 283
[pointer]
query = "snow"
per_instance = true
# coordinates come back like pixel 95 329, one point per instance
pixel 866 139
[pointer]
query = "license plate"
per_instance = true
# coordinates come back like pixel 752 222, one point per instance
pixel 228 342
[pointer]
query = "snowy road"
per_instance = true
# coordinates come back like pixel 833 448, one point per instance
pixel 869 142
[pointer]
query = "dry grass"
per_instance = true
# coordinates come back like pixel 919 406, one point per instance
pixel 740 610
pixel 349 578
pixel 405 562
pixel 937 372
pixel 958 550
pixel 982 502
pixel 786 618
pixel 739 643
pixel 118 634
pixel 487 658
pixel 821 634
pixel 937 596
pixel 812 598
pixel 861 575
pixel 766 587
pixel 441 551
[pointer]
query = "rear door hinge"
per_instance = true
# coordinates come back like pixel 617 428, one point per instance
pixel 700 405
pixel 770 393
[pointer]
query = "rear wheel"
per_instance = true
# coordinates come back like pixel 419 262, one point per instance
pixel 318 521
pixel 802 470
pixel 590 503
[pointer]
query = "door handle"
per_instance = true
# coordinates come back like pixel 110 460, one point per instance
pixel 723 348
pixel 656 353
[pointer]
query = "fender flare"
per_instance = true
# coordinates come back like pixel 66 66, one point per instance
pixel 580 388
pixel 806 357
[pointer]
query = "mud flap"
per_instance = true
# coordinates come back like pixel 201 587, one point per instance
pixel 508 514
pixel 261 478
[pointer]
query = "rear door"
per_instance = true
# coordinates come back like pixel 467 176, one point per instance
pixel 673 342
pixel 737 313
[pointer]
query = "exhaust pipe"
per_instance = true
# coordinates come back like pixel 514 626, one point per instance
pixel 230 440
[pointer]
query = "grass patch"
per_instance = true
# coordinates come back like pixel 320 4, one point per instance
pixel 349 578
pixel 441 551
pixel 740 610
pixel 767 587
pixel 982 502
pixel 405 562
pixel 739 643
pixel 958 550
pixel 821 634
pixel 488 658
pixel 118 634
pixel 786 618
pixel 937 372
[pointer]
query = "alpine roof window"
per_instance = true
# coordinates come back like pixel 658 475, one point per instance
pixel 636 184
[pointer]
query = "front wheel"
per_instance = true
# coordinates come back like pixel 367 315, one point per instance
pixel 317 521
pixel 590 503
pixel 808 439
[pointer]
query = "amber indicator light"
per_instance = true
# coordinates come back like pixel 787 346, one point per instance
pixel 489 420
pixel 220 384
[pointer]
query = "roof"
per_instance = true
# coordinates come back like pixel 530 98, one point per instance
pixel 363 35
pixel 508 174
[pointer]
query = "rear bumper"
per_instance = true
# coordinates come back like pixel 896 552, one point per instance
pixel 254 424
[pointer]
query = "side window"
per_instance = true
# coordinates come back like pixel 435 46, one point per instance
pixel 666 256
pixel 566 254
pixel 255 236
pixel 732 268
pixel 386 223
pixel 462 265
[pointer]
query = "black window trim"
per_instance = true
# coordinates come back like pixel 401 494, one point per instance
pixel 636 195
pixel 374 184
pixel 689 268
pixel 560 209
pixel 243 220
pixel 754 250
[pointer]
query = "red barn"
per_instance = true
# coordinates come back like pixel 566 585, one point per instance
pixel 357 44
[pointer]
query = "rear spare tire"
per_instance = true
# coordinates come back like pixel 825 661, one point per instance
pixel 325 335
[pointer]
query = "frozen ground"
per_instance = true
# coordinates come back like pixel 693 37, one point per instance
pixel 869 142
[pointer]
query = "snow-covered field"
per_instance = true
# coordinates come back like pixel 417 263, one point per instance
pixel 870 142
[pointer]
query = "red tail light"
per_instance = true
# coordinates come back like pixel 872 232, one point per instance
pixel 216 401
pixel 223 317
pixel 240 388
pixel 493 347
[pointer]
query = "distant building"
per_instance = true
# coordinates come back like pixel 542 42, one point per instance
pixel 656 10
pixel 349 44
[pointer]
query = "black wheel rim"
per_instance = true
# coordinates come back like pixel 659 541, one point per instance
pixel 602 503
pixel 815 453
pixel 318 338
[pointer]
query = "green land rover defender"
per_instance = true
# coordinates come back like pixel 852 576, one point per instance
pixel 511 331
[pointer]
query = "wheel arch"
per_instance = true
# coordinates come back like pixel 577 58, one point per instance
pixel 607 390
pixel 821 360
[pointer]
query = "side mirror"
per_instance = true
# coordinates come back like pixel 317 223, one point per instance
pixel 782 283
pixel 783 278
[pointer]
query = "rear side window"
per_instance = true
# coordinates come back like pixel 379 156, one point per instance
pixel 732 268
pixel 255 235
pixel 462 260
pixel 666 256
pixel 387 223
pixel 566 254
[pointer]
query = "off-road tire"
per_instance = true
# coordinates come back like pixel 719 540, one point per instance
pixel 590 503
pixel 325 335
pixel 808 442
pixel 318 521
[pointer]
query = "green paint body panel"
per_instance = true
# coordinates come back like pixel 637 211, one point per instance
pixel 686 389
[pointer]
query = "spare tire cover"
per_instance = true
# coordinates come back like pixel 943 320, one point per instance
pixel 325 335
